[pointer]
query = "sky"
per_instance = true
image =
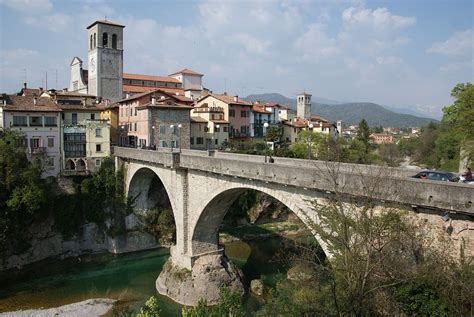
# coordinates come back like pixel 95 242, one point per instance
pixel 402 53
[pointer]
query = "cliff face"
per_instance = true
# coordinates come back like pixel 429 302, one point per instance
pixel 45 242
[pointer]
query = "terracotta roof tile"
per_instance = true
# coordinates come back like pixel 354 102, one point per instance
pixel 166 79
pixel 26 103
pixel 187 72
pixel 260 109
pixel 105 22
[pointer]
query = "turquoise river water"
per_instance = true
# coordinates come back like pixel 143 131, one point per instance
pixel 130 278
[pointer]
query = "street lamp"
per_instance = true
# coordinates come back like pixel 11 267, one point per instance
pixel 152 138
pixel 172 132
pixel 310 126
pixel 265 125
pixel 179 136
pixel 216 129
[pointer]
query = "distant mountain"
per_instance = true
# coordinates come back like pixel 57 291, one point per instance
pixel 275 97
pixel 351 113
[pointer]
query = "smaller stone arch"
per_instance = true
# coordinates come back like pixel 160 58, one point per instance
pixel 105 39
pixel 114 41
pixel 80 164
pixel 70 165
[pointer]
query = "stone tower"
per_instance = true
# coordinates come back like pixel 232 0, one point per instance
pixel 303 106
pixel 105 41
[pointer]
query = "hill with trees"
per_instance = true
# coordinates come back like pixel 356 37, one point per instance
pixel 351 113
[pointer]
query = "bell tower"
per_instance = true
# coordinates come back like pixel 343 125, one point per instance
pixel 105 59
pixel 303 106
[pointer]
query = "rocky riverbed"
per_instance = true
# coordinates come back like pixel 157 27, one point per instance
pixel 91 308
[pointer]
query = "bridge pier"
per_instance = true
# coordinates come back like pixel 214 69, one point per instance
pixel 188 279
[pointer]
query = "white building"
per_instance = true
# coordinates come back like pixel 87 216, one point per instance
pixel 38 119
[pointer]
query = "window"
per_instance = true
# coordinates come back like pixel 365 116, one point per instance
pixel 50 142
pixel 163 143
pixel 199 140
pixel 105 39
pixel 35 143
pixel 19 121
pixel 225 129
pixel 36 121
pixel 74 118
pixel 97 162
pixel 50 121
pixel 212 116
pixel 98 148
pixel 49 162
pixel 231 113
pixel 206 129
pixel 92 116
pixel 243 113
pixel 114 40
pixel 243 129
pixel 216 141
pixel 191 141
pixel 162 129
pixel 135 126
pixel 91 47
pixel 95 42
pixel 135 111
pixel 216 129
pixel 98 132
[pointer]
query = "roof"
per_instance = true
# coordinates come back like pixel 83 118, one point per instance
pixel 198 120
pixel 69 94
pixel 187 72
pixel 105 22
pixel 27 103
pixel 160 104
pixel 260 109
pixel 93 107
pixel 304 93
pixel 150 77
pixel 30 92
pixel 296 122
pixel 229 100
pixel 318 118
pixel 220 121
pixel 170 93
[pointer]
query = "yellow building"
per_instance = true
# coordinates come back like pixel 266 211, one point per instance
pixel 110 113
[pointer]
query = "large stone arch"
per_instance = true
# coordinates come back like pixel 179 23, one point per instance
pixel 142 180
pixel 204 230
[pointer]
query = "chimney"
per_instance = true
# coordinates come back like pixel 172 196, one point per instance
pixel 236 98
pixel 35 101
pixel 225 93
pixel 127 95
pixel 106 102
pixel 24 85
pixel 153 100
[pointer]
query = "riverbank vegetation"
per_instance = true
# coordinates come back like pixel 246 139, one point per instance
pixel 27 199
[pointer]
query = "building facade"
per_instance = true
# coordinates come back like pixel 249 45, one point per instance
pixel 38 119
pixel 209 129
pixel 303 105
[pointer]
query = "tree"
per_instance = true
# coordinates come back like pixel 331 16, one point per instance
pixel 390 154
pixel 310 145
pixel 363 133
pixel 273 134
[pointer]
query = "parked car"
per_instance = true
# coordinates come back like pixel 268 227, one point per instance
pixel 437 176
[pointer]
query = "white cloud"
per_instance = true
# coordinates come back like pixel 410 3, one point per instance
pixel 378 19
pixel 459 44
pixel 315 44
pixel 457 66
pixel 30 7
pixel 57 22
pixel 388 60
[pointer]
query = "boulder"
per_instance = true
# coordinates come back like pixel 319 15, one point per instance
pixel 257 287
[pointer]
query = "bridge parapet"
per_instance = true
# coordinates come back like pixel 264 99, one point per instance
pixel 352 179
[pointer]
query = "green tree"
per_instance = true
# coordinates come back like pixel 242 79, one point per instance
pixel 310 145
pixel 274 134
pixel 363 133
pixel 150 309
pixel 390 154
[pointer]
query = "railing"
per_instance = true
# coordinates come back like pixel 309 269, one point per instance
pixel 37 150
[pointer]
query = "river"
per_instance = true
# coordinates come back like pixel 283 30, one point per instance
pixel 130 278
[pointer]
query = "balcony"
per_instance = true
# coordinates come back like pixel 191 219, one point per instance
pixel 37 150
pixel 208 109
pixel 76 172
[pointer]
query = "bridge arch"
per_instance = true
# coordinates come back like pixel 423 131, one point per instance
pixel 149 188
pixel 204 233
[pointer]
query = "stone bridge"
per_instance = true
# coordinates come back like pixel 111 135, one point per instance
pixel 201 186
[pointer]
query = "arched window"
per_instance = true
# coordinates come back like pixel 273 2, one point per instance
pixel 114 40
pixel 105 39
pixel 91 47
pixel 95 42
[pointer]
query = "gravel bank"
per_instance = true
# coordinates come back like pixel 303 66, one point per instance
pixel 90 308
